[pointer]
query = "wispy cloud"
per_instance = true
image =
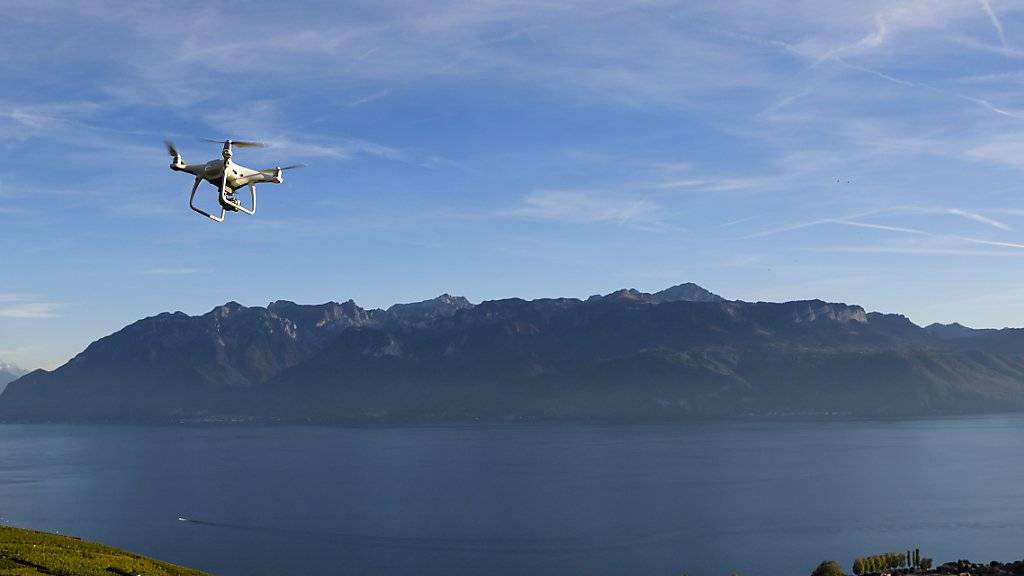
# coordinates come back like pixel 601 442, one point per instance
pixel 13 305
pixel 709 184
pixel 366 99
pixel 919 251
pixel 342 149
pixel 584 206
pixel 1002 148
pixel 172 271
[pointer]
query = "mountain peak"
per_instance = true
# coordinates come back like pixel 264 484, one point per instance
pixel 628 294
pixel 951 331
pixel 688 292
pixel 445 299
pixel 448 299
pixel 226 309
pixel 427 310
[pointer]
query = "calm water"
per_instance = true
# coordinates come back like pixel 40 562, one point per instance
pixel 709 498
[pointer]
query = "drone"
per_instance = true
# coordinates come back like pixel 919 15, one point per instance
pixel 227 177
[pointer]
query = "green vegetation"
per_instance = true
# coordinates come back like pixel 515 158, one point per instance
pixel 891 561
pixel 880 562
pixel 828 568
pixel 31 553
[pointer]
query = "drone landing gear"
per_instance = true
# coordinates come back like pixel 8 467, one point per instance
pixel 228 202
pixel 191 203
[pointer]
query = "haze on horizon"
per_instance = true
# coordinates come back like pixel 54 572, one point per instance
pixel 864 153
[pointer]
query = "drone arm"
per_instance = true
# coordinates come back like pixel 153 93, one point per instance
pixel 193 169
pixel 191 203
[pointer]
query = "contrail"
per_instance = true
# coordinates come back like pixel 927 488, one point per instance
pixel 833 55
pixel 876 226
pixel 979 218
pixel 991 242
pixel 979 101
pixel 995 21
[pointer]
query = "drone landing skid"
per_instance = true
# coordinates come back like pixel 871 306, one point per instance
pixel 192 204
pixel 227 202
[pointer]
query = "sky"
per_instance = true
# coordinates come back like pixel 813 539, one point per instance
pixel 864 152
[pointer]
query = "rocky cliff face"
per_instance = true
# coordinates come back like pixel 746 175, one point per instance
pixel 625 356
pixel 423 313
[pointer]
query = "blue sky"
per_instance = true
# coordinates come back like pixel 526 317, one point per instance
pixel 865 152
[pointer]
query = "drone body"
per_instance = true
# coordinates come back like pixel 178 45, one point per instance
pixel 227 177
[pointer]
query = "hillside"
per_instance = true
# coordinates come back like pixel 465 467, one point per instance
pixel 682 352
pixel 31 553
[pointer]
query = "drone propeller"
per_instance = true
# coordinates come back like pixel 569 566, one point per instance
pixel 236 143
pixel 171 149
pixel 271 171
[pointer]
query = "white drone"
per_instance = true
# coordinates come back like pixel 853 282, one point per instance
pixel 227 177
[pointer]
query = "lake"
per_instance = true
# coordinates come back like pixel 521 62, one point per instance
pixel 752 497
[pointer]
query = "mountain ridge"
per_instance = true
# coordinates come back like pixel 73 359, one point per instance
pixel 632 356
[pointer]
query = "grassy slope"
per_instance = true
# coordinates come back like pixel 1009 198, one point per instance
pixel 30 553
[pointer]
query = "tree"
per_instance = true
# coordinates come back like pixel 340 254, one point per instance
pixel 858 566
pixel 828 568
pixel 917 557
pixel 926 563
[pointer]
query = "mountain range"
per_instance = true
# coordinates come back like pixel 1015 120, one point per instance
pixel 627 356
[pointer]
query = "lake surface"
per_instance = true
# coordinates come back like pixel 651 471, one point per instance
pixel 754 497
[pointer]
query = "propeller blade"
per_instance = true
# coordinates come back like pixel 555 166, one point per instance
pixel 236 143
pixel 171 149
pixel 271 171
